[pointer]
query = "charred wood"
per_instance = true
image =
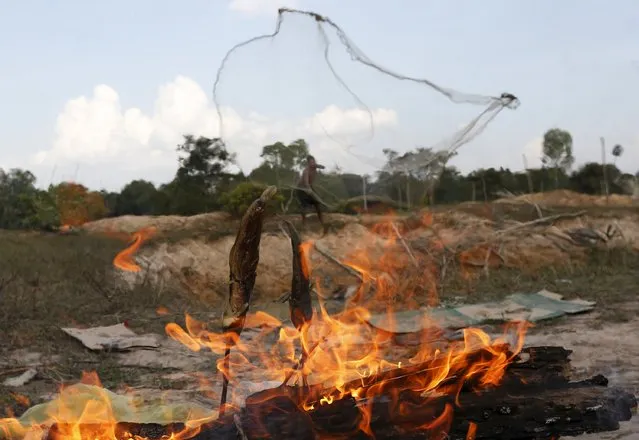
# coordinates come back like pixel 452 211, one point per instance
pixel 531 412
pixel 535 400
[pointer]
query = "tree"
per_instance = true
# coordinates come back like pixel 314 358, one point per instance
pixel 23 206
pixel 557 151
pixel 237 201
pixel 389 179
pixel 587 179
pixel 353 184
pixel 453 187
pixel 139 197
pixel 206 161
pixel 203 174
pixel 285 161
pixel 76 204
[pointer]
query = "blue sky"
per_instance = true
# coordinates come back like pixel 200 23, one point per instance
pixel 101 91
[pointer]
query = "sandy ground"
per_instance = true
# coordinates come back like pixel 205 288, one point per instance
pixel 611 350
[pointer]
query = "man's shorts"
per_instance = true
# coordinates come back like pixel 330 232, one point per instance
pixel 306 199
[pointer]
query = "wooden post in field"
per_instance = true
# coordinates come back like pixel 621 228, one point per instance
pixel 528 175
pixel 605 173
pixel 408 190
pixel 364 192
pixel 483 187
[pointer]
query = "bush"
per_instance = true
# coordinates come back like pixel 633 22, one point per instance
pixel 240 198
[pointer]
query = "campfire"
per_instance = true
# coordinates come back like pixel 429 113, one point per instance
pixel 342 378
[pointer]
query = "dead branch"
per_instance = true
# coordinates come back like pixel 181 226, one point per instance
pixel 243 260
pixel 540 221
pixel 408 249
pixel 348 269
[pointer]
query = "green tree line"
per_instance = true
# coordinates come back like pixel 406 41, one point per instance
pixel 205 182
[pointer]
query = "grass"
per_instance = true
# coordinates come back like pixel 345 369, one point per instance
pixel 606 276
pixel 54 280
pixel 51 281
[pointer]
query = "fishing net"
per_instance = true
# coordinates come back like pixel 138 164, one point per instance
pixel 362 120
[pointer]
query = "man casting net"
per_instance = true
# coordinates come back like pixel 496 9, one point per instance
pixel 285 95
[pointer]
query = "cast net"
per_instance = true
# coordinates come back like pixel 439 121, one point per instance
pixel 307 88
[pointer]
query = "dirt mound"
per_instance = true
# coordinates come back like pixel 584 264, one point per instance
pixel 202 267
pixel 479 242
pixel 428 244
pixel 563 197
pixel 164 223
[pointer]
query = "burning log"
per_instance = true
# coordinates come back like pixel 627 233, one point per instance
pixel 533 413
pixel 243 260
pixel 535 400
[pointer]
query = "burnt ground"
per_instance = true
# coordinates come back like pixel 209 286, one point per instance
pixel 50 281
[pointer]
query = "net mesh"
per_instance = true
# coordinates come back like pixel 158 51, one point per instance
pixel 296 73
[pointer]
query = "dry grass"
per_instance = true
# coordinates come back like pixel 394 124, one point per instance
pixel 53 280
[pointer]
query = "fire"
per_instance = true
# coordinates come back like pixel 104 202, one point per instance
pixel 347 358
pixel 85 411
pixel 124 260
pixel 472 431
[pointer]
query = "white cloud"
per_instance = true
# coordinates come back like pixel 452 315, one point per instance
pixel 97 131
pixel 260 7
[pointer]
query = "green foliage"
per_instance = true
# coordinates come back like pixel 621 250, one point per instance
pixel 139 197
pixel 289 157
pixel 281 163
pixel 46 214
pixel 202 177
pixel 237 201
pixel 206 160
pixel 589 178
pixel 557 149
pixel 22 205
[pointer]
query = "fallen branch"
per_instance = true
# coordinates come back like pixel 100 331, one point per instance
pixel 348 269
pixel 541 221
pixel 408 249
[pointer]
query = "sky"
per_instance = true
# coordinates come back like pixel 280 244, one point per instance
pixel 102 92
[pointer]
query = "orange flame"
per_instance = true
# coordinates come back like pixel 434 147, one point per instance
pixel 305 251
pixel 96 420
pixel 124 259
pixel 346 357
pixel 472 431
